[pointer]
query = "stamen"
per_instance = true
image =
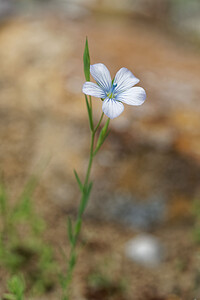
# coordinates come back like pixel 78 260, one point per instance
pixel 111 94
pixel 113 87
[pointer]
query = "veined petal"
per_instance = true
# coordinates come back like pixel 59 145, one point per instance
pixel 92 89
pixel 133 96
pixel 102 76
pixel 112 108
pixel 124 79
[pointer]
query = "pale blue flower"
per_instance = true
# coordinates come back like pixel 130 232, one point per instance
pixel 114 93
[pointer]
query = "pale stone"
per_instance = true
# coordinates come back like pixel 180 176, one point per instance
pixel 146 250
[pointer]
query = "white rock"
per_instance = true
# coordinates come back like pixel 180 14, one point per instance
pixel 145 249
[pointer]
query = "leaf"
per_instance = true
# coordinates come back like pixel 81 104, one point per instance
pixel 16 287
pixel 85 198
pixel 78 226
pixel 72 261
pixel 78 181
pixel 70 231
pixel 89 113
pixel 87 195
pixel 102 136
pixel 86 61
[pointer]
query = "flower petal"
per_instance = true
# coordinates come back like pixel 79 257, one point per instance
pixel 134 96
pixel 92 89
pixel 102 76
pixel 112 108
pixel 124 79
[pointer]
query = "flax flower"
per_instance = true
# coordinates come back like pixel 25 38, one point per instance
pixel 114 92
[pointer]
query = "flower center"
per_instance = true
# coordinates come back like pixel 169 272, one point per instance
pixel 111 94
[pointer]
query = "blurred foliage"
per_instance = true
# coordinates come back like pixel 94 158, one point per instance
pixel 22 247
pixel 16 288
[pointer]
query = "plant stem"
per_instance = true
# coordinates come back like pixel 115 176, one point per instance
pixel 90 103
pixel 90 160
pixel 77 228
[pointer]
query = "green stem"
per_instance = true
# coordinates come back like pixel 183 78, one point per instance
pixel 78 223
pixel 90 160
pixel 90 103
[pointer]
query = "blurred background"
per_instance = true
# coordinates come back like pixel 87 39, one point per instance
pixel 141 236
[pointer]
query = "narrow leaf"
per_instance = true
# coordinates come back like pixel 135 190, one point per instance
pixel 87 196
pixel 72 261
pixel 89 113
pixel 85 199
pixel 86 61
pixel 78 181
pixel 70 230
pixel 102 136
pixel 78 226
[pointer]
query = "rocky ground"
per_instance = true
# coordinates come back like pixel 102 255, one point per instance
pixel 147 174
